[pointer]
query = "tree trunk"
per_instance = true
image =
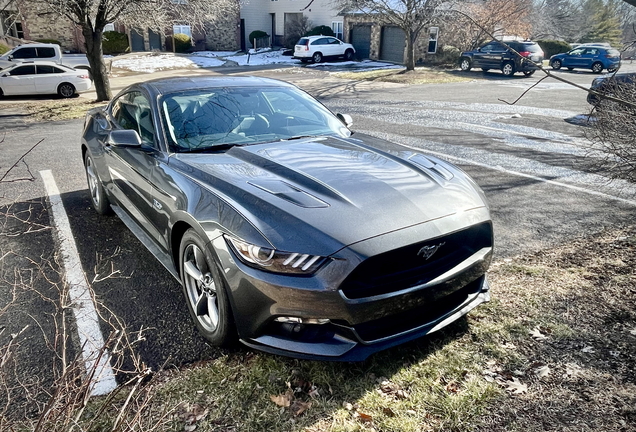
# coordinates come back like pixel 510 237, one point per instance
pixel 410 50
pixel 94 53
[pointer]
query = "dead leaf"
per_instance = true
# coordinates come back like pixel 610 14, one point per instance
pixel 313 392
pixel 633 331
pixel 542 371
pixel 364 417
pixel 299 407
pixel 588 350
pixel 388 412
pixel 452 387
pixel 282 400
pixel 516 387
pixel 537 335
pixel 572 369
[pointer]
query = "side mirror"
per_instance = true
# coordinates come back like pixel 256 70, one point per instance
pixel 123 138
pixel 479 49
pixel 346 119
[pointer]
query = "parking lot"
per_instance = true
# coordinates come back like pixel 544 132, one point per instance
pixel 531 159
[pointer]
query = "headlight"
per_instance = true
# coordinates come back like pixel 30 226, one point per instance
pixel 273 260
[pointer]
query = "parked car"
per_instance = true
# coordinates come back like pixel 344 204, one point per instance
pixel 611 85
pixel 496 55
pixel 594 57
pixel 43 52
pixel 318 48
pixel 42 77
pixel 283 228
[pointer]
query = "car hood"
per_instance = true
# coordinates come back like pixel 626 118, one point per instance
pixel 342 190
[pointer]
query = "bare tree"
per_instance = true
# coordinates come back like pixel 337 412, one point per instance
pixel 93 15
pixel 412 16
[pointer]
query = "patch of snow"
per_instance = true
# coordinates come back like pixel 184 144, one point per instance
pixel 366 64
pixel 263 57
pixel 153 63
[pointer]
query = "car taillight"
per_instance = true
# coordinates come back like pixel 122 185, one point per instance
pixel 524 53
pixel 307 46
pixel 83 76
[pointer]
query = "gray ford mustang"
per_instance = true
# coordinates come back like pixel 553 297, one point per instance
pixel 284 229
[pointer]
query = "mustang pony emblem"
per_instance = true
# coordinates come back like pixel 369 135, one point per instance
pixel 429 251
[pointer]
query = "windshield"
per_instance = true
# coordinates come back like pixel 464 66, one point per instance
pixel 212 119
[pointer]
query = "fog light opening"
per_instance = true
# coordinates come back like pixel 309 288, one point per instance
pixel 303 329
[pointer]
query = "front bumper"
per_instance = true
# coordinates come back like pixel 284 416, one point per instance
pixel 326 316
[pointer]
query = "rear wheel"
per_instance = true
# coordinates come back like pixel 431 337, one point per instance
pixel 597 67
pixel 317 57
pixel 464 64
pixel 508 69
pixel 95 187
pixel 66 90
pixel 528 73
pixel 348 55
pixel 556 64
pixel 205 291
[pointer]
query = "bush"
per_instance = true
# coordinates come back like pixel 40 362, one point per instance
pixel 447 55
pixel 115 42
pixel 613 134
pixel 51 41
pixel 552 47
pixel 3 48
pixel 321 30
pixel 257 34
pixel 183 43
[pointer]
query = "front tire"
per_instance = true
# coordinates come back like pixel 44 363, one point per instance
pixel 508 69
pixel 317 57
pixel 465 64
pixel 66 90
pixel 597 67
pixel 96 189
pixel 556 64
pixel 204 290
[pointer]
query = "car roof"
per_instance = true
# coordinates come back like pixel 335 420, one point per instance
pixel 183 84
pixel 37 62
pixel 316 37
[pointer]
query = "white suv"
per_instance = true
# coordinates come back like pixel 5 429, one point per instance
pixel 317 48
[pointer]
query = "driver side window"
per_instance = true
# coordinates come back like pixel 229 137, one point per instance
pixel 132 111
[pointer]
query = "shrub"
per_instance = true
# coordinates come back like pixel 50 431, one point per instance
pixel 51 41
pixel 295 28
pixel 552 47
pixel 321 30
pixel 447 55
pixel 257 34
pixel 183 43
pixel 3 48
pixel 115 42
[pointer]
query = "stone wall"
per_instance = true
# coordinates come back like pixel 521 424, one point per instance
pixel 223 33
pixel 39 23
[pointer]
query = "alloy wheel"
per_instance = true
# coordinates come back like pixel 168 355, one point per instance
pixel 200 287
pixel 93 182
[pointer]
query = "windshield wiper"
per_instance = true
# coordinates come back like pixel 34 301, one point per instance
pixel 300 137
pixel 209 149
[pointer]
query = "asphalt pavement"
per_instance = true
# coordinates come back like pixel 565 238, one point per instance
pixel 530 158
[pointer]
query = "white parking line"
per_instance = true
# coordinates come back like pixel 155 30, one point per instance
pixel 90 335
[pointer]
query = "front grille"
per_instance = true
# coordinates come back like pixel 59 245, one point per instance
pixel 406 267
pixel 419 316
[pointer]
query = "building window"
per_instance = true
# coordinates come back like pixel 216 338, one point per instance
pixel 432 39
pixel 183 29
pixel 336 26
pixel 109 27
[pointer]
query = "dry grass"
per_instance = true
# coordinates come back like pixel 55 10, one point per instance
pixel 420 75
pixel 59 109
pixel 555 350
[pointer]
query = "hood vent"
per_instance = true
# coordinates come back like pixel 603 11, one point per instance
pixel 289 193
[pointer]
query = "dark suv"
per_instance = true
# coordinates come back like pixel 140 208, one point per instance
pixel 496 55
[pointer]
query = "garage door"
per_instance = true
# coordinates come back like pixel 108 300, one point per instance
pixel 137 40
pixel 361 41
pixel 392 44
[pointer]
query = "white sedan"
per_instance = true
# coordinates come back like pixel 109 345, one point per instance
pixel 43 78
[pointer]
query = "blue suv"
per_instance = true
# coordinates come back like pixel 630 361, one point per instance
pixel 594 57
